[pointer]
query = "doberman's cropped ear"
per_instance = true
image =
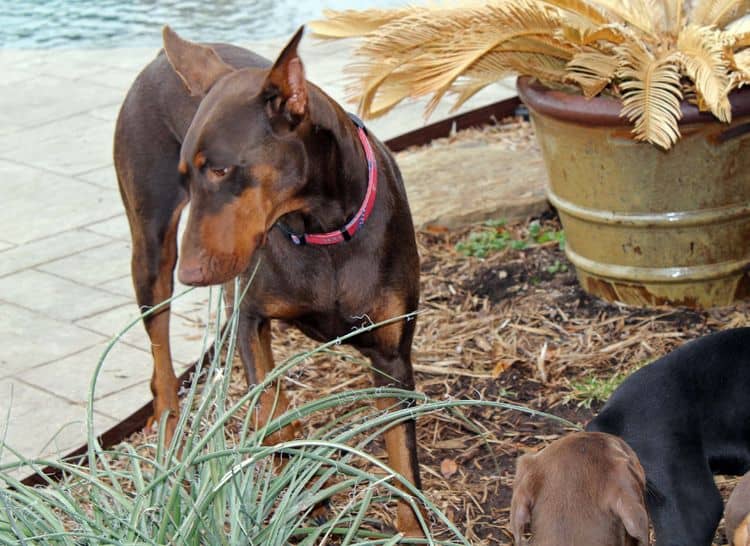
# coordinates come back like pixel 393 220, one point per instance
pixel 523 499
pixel 285 87
pixel 197 65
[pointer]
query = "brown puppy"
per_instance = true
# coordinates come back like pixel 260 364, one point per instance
pixel 278 174
pixel 585 489
pixel 737 514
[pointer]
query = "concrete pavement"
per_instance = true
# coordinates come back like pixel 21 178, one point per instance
pixel 65 285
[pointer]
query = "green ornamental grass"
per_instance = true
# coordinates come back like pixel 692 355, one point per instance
pixel 206 490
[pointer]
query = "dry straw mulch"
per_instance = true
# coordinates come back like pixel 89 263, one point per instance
pixel 514 327
pixel 501 328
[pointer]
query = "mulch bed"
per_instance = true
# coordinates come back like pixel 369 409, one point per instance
pixel 516 327
pixel 538 335
pixel 513 326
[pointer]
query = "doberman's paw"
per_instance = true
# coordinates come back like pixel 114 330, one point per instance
pixel 407 522
pixel 153 422
pixel 321 512
pixel 286 434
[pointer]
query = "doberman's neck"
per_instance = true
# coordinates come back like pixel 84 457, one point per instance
pixel 337 173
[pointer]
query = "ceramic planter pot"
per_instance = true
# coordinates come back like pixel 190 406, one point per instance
pixel 646 226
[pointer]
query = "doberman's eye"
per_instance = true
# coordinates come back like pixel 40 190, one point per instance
pixel 216 174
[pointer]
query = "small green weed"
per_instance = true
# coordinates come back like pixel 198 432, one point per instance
pixel 594 389
pixel 541 236
pixel 491 237
pixel 557 267
pixel 482 243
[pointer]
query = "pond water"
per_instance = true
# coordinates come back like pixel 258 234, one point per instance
pixel 112 23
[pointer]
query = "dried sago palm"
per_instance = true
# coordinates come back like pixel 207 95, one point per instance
pixel 549 71
pixel 604 37
pixel 595 46
pixel 385 72
pixel 483 73
pixel 441 50
pixel 350 23
pixel 382 91
pixel 651 94
pixel 674 11
pixel 635 13
pixel 701 54
pixel 583 11
pixel 718 13
pixel 444 45
pixel 741 74
pixel 592 71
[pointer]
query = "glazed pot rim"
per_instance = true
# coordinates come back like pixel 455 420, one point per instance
pixel 605 111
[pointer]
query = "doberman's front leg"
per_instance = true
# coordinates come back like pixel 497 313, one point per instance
pixel 257 358
pixel 391 359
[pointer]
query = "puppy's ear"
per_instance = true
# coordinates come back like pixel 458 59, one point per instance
pixel 523 498
pixel 626 499
pixel 285 88
pixel 198 66
pixel 741 534
pixel 630 509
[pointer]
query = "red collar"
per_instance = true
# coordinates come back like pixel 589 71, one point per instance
pixel 358 220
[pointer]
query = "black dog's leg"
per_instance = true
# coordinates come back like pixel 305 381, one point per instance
pixel 686 507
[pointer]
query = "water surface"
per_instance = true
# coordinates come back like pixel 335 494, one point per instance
pixel 111 23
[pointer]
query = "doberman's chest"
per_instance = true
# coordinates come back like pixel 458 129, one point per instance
pixel 294 284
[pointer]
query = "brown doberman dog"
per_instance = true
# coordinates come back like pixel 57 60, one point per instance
pixel 274 171
pixel 737 514
pixel 585 489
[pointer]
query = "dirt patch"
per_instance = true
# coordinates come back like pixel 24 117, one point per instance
pixel 517 276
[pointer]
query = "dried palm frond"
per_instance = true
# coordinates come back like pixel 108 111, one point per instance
pixel 592 71
pixel 649 53
pixel 719 13
pixel 675 15
pixel 604 35
pixel 651 94
pixel 349 23
pixel 483 73
pixel 741 74
pixel 702 56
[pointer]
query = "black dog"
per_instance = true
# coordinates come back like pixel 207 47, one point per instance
pixel 687 417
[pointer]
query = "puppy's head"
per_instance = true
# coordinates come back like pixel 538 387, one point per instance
pixel 242 159
pixel 586 488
